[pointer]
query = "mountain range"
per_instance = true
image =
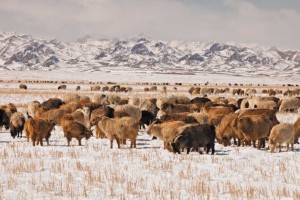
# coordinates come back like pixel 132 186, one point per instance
pixel 145 55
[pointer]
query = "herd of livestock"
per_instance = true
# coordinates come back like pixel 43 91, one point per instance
pixel 182 123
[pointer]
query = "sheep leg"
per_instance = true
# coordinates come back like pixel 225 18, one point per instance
pixel 111 143
pixel 47 138
pixel 41 141
pixel 188 150
pixel 79 141
pixel 207 148
pixel 292 146
pixel 254 143
pixel 118 142
pixel 212 149
pixel 69 137
pixel 234 141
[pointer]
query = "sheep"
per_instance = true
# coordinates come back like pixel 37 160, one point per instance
pixel 114 99
pixel 39 111
pixel 95 88
pixel 70 107
pixel 201 100
pixel 291 104
pixel 52 103
pixel 120 114
pixel 101 99
pixel 31 108
pixel 195 136
pixel 182 99
pixel 133 111
pixel 4 119
pixel 165 131
pixel 149 106
pixel 9 108
pixel 54 115
pixel 62 87
pixel 281 133
pixel 73 129
pixel 67 98
pixel 153 88
pixel 16 124
pixel 170 108
pixel 147 118
pixel 135 101
pixel 23 86
pixel 105 88
pixel 77 88
pixel 37 129
pixel 297 131
pixel 99 112
pixel 200 117
pixel 120 128
pixel 78 116
pixel 128 89
pixel 96 116
pixel 179 117
pixel 85 99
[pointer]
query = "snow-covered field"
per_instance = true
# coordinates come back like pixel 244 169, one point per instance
pixel 94 171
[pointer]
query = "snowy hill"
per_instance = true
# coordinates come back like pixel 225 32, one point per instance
pixel 140 54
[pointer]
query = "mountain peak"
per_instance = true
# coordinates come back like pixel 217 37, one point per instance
pixel 23 52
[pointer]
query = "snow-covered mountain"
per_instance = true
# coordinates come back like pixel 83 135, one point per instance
pixel 140 54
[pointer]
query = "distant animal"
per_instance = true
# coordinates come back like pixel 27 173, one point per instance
pixel 22 86
pixel 62 87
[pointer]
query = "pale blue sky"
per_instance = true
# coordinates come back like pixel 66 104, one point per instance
pixel 266 22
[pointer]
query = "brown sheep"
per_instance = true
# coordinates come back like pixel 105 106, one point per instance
pixel 120 128
pixel 170 108
pixel 23 86
pixel 133 111
pixel 54 115
pixel 78 116
pixel 216 110
pixel 165 131
pixel 226 130
pixel 200 117
pixel 297 131
pixel 259 111
pixel 37 129
pixel 255 127
pixel 73 129
pixel 39 111
pixel 16 124
pixel 179 117
pixel 71 107
pixel 96 116
pixel 281 133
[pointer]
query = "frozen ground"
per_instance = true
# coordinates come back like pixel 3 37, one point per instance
pixel 127 76
pixel 93 171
